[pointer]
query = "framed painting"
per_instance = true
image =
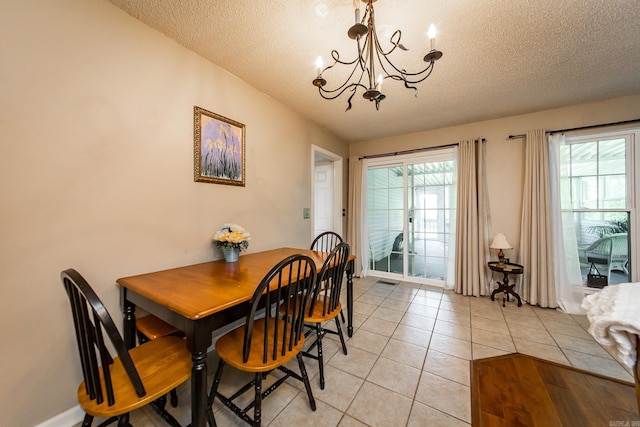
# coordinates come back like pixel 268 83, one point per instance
pixel 219 149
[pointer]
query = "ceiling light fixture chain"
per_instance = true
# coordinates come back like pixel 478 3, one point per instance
pixel 370 57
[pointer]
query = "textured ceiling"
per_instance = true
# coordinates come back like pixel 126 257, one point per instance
pixel 501 57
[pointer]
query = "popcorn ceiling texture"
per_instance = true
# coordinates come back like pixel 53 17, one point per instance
pixel 501 58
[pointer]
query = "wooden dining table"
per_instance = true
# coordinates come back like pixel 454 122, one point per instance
pixel 200 298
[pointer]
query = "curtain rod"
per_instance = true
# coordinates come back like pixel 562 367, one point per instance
pixel 580 128
pixel 415 150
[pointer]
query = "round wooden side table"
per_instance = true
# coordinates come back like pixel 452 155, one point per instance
pixel 507 289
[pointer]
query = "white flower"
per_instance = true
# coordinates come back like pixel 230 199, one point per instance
pixel 232 236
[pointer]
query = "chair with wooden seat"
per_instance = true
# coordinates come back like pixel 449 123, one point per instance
pixel 114 385
pixel 267 341
pixel 325 304
pixel 326 241
pixel 151 327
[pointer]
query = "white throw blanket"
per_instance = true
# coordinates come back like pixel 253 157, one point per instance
pixel 614 317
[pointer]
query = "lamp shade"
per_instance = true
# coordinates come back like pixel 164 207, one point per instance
pixel 500 242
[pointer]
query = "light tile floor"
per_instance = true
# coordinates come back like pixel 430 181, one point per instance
pixel 408 360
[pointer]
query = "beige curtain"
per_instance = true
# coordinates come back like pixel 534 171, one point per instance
pixel 472 237
pixel 537 285
pixel 355 222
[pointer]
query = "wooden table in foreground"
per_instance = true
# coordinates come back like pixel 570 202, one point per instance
pixel 521 390
pixel 203 297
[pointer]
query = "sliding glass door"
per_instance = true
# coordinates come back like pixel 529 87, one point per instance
pixel 431 217
pixel 386 218
pixel 411 216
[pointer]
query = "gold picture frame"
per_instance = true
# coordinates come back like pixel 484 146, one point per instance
pixel 219 149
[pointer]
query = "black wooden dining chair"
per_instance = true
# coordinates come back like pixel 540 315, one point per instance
pixel 114 385
pixel 264 344
pixel 325 304
pixel 326 241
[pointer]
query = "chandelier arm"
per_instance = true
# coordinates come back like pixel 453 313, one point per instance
pixel 368 13
pixel 380 53
pixel 372 47
pixel 408 76
pixel 336 60
pixel 346 83
pixel 352 86
pixel 335 55
pixel 428 71
pixel 407 83
pixel 349 105
pixel 402 73
pixel 394 44
pixel 361 60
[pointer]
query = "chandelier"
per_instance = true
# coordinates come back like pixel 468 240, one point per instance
pixel 373 59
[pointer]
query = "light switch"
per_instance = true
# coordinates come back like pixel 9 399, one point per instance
pixel 306 213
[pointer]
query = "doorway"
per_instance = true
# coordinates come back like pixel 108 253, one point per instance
pixel 411 216
pixel 326 184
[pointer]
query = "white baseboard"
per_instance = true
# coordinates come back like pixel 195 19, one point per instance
pixel 68 418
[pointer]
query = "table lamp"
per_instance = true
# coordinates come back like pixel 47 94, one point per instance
pixel 500 242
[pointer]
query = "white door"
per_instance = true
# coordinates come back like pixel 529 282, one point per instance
pixel 326 191
pixel 323 199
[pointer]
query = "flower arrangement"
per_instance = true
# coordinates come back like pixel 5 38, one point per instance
pixel 232 236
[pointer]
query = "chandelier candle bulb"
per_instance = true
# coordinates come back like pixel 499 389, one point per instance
pixel 432 36
pixel 379 86
pixel 319 65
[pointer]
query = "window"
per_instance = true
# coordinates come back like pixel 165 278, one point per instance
pixel 597 189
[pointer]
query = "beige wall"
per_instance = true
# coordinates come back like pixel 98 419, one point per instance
pixel 505 158
pixel 96 173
